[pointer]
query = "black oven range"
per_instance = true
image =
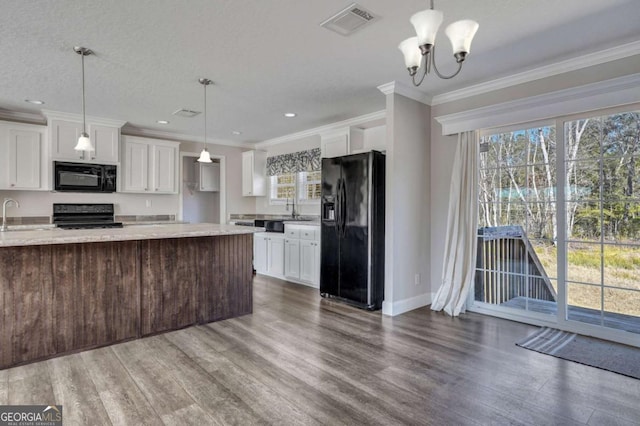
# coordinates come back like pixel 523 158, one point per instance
pixel 84 216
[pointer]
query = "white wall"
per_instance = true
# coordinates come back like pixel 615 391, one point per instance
pixel 407 205
pixel 443 147
pixel 262 205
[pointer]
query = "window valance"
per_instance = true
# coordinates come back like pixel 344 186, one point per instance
pixel 302 161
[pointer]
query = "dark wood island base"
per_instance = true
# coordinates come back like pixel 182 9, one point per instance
pixel 62 298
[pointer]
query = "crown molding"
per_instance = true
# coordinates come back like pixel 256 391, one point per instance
pixel 23 117
pixel 406 91
pixel 573 64
pixel 160 134
pixel 68 116
pixel 323 129
pixel 604 94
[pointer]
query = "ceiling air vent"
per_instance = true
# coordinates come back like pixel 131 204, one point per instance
pixel 186 113
pixel 349 20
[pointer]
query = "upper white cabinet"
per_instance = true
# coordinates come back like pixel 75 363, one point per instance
pixel 254 181
pixel 65 129
pixel 23 155
pixel 106 141
pixel 208 177
pixel 149 166
pixel 335 143
pixel 352 140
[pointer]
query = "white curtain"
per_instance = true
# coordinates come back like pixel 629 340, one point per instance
pixel 461 238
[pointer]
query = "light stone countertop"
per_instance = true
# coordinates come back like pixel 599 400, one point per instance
pixel 49 235
pixel 302 222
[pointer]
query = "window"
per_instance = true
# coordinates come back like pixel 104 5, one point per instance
pixel 309 187
pixel 284 186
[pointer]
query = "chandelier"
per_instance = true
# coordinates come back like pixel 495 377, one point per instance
pixel 422 47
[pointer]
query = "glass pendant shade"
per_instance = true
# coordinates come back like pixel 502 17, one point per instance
pixel 411 52
pixel 84 143
pixel 461 34
pixel 204 156
pixel 426 24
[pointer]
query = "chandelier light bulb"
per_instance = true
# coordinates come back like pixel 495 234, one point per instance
pixel 411 52
pixel 461 34
pixel 426 24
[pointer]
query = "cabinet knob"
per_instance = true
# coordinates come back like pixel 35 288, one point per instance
pixel 93 158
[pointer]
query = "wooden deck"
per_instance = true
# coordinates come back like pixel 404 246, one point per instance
pixel 589 316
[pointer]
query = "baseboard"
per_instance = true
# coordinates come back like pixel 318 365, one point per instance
pixel 406 305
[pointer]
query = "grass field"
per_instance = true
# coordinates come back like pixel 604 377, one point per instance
pixel 617 266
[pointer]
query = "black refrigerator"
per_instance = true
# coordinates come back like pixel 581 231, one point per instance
pixel 352 227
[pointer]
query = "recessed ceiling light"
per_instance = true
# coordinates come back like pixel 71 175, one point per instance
pixel 236 132
pixel 290 114
pixel 162 122
pixel 34 101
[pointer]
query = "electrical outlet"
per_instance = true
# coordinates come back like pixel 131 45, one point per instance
pixel 148 203
pixel 417 279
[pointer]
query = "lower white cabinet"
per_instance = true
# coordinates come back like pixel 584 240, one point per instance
pixel 310 262
pixel 302 254
pixel 292 258
pixel 269 253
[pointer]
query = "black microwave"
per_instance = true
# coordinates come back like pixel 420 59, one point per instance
pixel 81 177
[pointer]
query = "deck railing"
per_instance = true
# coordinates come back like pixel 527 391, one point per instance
pixel 508 267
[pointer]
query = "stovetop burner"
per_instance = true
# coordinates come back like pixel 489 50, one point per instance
pixel 84 216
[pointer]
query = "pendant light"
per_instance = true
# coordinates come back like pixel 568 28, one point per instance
pixel 204 155
pixel 84 143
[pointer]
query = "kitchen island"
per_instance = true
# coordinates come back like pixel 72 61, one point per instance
pixel 63 291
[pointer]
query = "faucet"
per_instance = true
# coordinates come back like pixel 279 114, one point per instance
pixel 294 214
pixel 4 212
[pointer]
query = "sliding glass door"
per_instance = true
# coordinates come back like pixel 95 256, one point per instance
pixel 602 203
pixel 559 224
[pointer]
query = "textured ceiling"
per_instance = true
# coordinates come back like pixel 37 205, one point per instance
pixel 268 57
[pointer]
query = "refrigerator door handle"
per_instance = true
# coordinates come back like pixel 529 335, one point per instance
pixel 343 206
pixel 338 207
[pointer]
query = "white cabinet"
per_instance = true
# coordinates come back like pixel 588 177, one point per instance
pixel 292 258
pixel 310 262
pixel 269 253
pixel 335 143
pixel 164 167
pixel 104 135
pixel 254 181
pixel 106 141
pixel 135 166
pixel 302 254
pixel 23 155
pixel 208 177
pixel 149 166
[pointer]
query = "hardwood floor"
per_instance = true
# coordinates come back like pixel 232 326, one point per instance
pixel 299 359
